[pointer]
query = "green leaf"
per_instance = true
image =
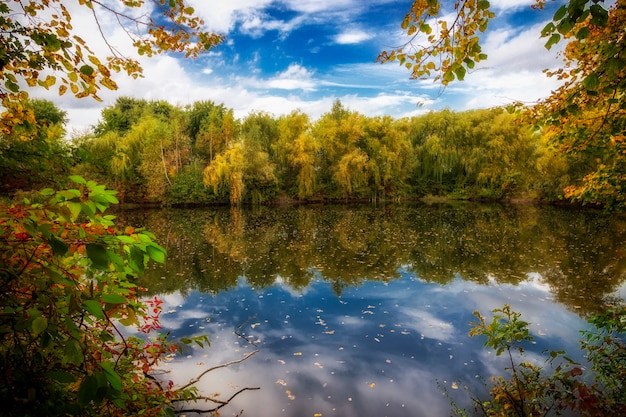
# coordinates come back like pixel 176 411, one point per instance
pixel 87 390
pixel 560 13
pixel 61 376
pixel 448 76
pixel 58 246
pixel 95 308
pixel 583 33
pixel 156 252
pixel 86 70
pixel 137 259
pixel 548 29
pixel 78 179
pixel 39 325
pixel 554 39
pixel 73 352
pixel 114 299
pixel 483 5
pixel 47 192
pixel 75 209
pixel 112 376
pixel 460 73
pixel 591 81
pixel 98 255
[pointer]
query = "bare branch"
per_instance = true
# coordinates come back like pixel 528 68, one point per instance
pixel 224 365
pixel 222 403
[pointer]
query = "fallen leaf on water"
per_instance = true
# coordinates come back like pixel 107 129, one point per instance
pixel 454 385
pixel 319 365
pixel 290 395
pixel 281 382
pixel 372 385
pixel 297 354
pixel 282 362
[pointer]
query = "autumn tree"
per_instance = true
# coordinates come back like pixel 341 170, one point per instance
pixel 341 157
pixel 37 157
pixel 295 151
pixel 211 128
pixel 585 115
pixel 41 48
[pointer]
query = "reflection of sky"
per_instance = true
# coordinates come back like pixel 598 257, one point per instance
pixel 379 350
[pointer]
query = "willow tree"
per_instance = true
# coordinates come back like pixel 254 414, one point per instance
pixel 586 113
pixel 338 132
pixel 295 151
pixel 211 128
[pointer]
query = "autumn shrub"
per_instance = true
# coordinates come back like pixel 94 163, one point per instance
pixel 563 386
pixel 67 292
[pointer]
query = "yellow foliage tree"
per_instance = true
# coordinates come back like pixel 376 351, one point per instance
pixel 40 47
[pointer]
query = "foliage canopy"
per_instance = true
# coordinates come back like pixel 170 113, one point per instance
pixel 40 47
pixel 584 117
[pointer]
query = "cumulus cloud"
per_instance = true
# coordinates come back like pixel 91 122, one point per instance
pixel 352 36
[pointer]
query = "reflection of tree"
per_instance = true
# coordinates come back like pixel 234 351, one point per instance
pixel 579 254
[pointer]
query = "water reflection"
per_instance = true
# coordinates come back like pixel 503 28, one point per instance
pixel 579 254
pixel 363 312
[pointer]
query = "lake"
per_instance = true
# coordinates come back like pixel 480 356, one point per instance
pixel 365 311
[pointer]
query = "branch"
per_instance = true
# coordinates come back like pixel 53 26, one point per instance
pixel 222 403
pixel 224 365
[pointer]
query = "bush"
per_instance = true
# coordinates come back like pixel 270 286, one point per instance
pixel 66 291
pixel 530 390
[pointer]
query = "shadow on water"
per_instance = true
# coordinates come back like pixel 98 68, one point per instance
pixel 359 311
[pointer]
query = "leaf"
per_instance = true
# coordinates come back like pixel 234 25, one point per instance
pixel 112 376
pixel 95 308
pixel 137 259
pixel 61 376
pixel 560 13
pixel 58 246
pixel 114 299
pixel 156 253
pixel 483 5
pixel 86 70
pixel 98 255
pixel 591 81
pixel 87 390
pixel 39 325
pixel 583 33
pixel 75 209
pixel 78 179
pixel 554 39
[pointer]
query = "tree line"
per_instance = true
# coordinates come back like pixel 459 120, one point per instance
pixel 153 151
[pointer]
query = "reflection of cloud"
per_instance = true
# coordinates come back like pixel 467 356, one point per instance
pixel 378 350
pixel 429 325
pixel 321 379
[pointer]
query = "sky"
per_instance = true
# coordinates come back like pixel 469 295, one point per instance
pixel 286 55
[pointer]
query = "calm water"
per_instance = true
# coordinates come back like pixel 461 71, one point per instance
pixel 361 311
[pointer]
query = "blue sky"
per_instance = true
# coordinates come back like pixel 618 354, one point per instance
pixel 283 55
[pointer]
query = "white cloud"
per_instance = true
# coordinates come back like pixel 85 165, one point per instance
pixel 293 78
pixel 352 36
pixel 221 16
